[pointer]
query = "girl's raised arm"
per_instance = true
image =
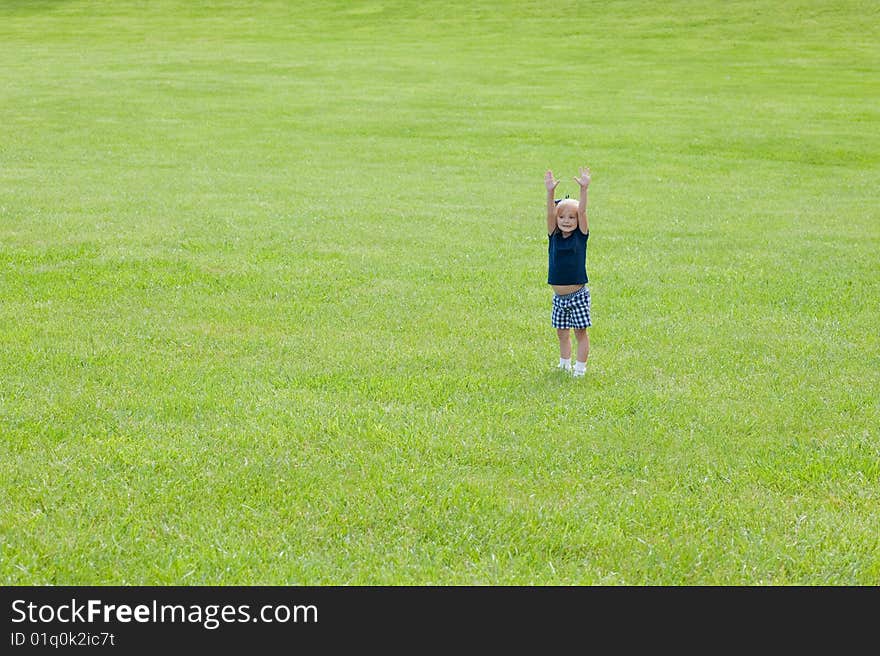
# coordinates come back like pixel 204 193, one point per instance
pixel 550 182
pixel 584 181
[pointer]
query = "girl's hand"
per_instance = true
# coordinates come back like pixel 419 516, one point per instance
pixel 584 178
pixel 549 181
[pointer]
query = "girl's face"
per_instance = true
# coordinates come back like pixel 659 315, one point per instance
pixel 567 217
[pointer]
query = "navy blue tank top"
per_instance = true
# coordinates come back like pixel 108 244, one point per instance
pixel 567 258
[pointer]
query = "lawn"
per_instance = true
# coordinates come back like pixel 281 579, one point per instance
pixel 274 303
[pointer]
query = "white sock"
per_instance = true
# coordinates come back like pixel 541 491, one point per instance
pixel 564 364
pixel 580 367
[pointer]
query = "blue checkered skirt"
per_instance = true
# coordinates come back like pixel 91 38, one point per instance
pixel 571 310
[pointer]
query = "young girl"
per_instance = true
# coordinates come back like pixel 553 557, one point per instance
pixel 567 232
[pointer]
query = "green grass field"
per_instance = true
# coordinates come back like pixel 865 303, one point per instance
pixel 274 304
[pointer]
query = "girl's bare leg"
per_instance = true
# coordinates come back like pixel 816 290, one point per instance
pixel 583 341
pixel 564 335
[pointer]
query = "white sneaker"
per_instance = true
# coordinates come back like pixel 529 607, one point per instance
pixel 579 374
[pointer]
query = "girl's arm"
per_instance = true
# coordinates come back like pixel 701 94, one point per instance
pixel 550 183
pixel 584 181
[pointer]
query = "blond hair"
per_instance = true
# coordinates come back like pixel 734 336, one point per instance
pixel 565 202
